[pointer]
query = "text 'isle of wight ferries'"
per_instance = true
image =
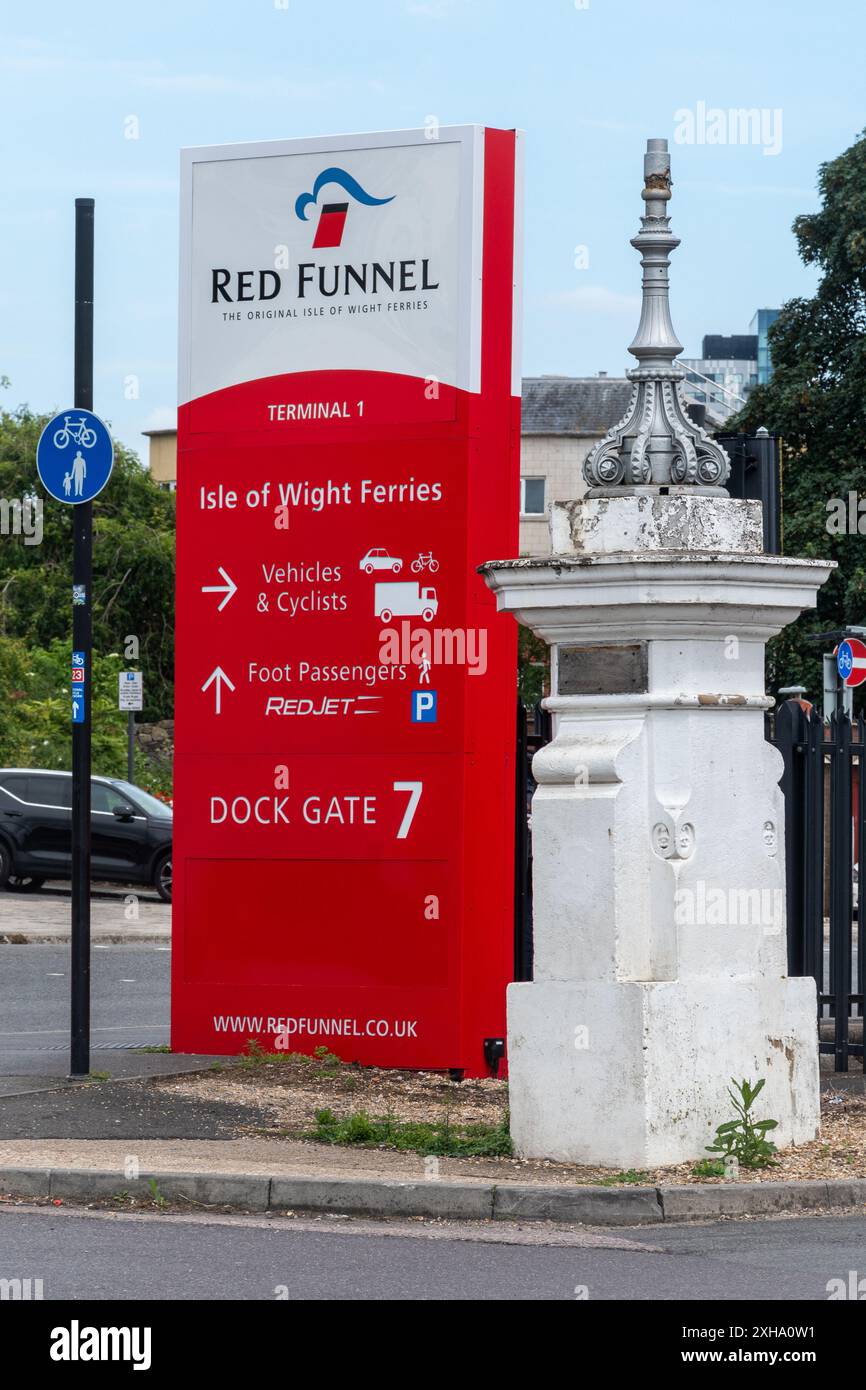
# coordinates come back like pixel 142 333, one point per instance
pixel 317 496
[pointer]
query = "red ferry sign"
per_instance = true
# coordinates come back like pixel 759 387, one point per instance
pixel 348 453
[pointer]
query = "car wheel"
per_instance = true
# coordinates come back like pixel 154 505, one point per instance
pixel 162 877
pixel 5 864
pixel 17 883
pixel 428 615
pixel 385 615
pixel 397 567
pixel 368 569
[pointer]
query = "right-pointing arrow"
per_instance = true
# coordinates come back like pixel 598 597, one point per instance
pixel 230 588
pixel 216 679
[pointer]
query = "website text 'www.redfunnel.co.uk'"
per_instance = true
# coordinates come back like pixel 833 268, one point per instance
pixel 251 1025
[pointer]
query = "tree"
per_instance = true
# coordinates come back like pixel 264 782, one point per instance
pixel 133 564
pixel 816 401
pixel 35 723
pixel 533 666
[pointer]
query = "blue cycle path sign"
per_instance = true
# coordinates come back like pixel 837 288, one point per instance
pixel 75 456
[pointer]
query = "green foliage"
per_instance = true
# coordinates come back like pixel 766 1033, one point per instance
pixel 533 667
pixel 630 1178
pixel 254 1055
pixel 709 1168
pixel 816 401
pixel 442 1139
pixel 133 566
pixel 744 1137
pixel 35 710
pixel 156 1195
pixel 330 1062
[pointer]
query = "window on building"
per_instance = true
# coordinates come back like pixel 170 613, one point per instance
pixel 532 496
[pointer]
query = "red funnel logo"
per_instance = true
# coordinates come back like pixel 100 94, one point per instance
pixel 332 220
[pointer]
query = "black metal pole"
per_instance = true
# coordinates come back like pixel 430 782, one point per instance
pixel 82 641
pixel 130 747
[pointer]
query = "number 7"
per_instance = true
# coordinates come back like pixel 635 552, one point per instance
pixel 414 789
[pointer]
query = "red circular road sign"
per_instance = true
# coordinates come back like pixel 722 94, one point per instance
pixel 851 661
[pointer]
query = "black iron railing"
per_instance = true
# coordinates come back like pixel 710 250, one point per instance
pixel 529 740
pixel 824 784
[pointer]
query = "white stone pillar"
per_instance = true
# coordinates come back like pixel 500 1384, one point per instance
pixel 658 836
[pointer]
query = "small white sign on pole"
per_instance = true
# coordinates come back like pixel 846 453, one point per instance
pixel 130 690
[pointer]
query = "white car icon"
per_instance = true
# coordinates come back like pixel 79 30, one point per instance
pixel 380 560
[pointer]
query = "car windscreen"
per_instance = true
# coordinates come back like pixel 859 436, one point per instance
pixel 109 800
pixel 151 805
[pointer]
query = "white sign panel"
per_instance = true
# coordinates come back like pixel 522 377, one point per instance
pixel 355 253
pixel 130 690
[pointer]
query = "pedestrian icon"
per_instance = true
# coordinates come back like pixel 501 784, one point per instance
pixel 79 473
pixel 75 456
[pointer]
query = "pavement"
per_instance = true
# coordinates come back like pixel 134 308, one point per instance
pixel 75 1141
pixel 120 915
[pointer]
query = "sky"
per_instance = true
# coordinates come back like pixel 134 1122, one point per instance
pixel 587 80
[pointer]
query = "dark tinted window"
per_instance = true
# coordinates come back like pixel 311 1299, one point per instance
pixel 17 786
pixel 50 791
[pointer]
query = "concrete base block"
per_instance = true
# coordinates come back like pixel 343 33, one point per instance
pixel 635 1074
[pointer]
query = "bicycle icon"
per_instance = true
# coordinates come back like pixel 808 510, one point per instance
pixel 425 561
pixel 77 431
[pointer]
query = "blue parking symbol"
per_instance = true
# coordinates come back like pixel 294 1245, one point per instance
pixel 424 706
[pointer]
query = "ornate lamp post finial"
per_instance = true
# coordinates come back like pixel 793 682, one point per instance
pixel 656 444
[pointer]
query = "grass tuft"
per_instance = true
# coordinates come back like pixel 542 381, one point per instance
pixel 442 1139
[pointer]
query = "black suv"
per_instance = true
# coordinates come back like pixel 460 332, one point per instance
pixel 130 830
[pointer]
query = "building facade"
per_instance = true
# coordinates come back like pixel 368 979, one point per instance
pixel 162 457
pixel 730 367
pixel 760 326
pixel 562 419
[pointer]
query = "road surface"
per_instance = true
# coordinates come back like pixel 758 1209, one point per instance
pixel 130 1003
pixel 84 1255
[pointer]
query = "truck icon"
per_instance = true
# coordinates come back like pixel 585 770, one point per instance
pixel 404 601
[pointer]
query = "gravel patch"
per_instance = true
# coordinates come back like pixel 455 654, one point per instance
pixel 290 1091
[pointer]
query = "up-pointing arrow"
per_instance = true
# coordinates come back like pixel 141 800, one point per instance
pixel 216 679
pixel 230 588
